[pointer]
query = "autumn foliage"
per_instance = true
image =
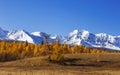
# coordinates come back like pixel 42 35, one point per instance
pixel 19 50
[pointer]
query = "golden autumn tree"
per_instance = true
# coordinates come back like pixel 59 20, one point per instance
pixel 86 49
pixel 76 49
pixel 94 51
pixel 36 51
pixel 69 49
pixel 65 49
pixel 44 49
pixel 29 51
pixel 57 53
pixel 2 55
pixel 81 48
pixel 3 45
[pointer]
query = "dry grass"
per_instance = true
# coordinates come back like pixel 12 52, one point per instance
pixel 74 64
pixel 49 72
pixel 44 72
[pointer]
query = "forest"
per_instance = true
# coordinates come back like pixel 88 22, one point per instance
pixel 20 50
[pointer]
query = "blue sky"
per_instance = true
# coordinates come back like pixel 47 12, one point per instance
pixel 61 16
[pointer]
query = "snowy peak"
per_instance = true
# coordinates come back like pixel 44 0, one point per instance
pixel 105 37
pixel 84 34
pixel 20 35
pixel 36 33
pixel 76 34
pixel 42 34
pixel 77 37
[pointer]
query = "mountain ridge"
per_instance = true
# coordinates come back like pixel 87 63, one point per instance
pixel 76 37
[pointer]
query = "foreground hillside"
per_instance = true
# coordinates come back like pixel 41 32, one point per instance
pixel 74 64
pixel 23 58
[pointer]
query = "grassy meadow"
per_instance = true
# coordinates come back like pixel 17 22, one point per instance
pixel 74 64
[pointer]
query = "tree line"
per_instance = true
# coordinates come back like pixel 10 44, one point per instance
pixel 19 50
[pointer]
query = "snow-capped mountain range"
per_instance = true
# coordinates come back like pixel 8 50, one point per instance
pixel 82 37
pixel 93 40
